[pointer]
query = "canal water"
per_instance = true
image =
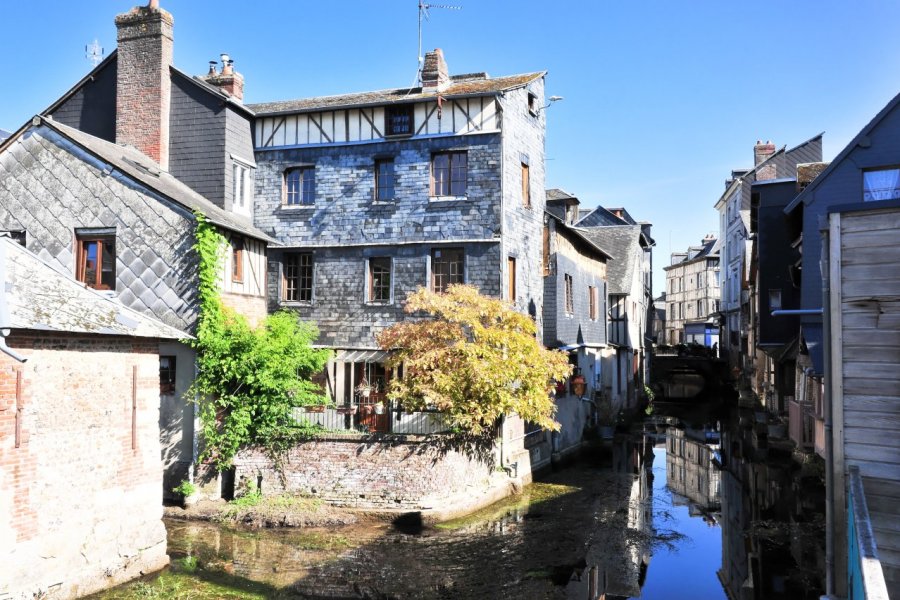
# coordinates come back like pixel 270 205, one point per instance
pixel 700 504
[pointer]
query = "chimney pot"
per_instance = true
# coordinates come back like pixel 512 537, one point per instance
pixel 212 68
pixel 154 4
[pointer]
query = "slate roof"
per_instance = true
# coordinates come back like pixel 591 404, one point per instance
pixel 113 56
pixel 623 243
pixel 39 297
pixel 138 166
pixel 475 84
pixel 601 217
pixel 579 234
pixel 709 248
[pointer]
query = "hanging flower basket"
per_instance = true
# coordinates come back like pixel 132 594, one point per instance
pixel 379 408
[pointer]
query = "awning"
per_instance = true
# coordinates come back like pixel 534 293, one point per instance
pixel 369 356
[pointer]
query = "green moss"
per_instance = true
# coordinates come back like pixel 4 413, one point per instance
pixel 178 585
pixel 533 495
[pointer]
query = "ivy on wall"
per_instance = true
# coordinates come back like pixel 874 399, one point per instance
pixel 248 379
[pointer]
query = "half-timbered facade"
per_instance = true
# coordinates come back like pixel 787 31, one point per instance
pixel 376 194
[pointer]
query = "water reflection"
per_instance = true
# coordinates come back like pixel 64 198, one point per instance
pixel 698 505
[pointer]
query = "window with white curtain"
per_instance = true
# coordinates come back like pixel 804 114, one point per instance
pixel 883 184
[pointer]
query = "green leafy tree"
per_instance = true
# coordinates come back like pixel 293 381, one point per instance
pixel 476 359
pixel 248 379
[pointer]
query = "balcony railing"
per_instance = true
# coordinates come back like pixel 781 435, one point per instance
pixel 865 578
pixel 366 418
pixel 801 425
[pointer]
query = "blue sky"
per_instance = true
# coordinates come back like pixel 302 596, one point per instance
pixel 662 98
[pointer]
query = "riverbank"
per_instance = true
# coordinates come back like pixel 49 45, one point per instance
pixel 287 510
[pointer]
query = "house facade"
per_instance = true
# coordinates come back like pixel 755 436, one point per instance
pixel 103 195
pixel 848 365
pixel 79 434
pixel 734 232
pixel 692 295
pixel 629 306
pixel 376 194
pixel 574 314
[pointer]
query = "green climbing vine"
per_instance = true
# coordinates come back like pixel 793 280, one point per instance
pixel 248 379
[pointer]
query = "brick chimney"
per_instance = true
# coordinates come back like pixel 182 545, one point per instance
pixel 228 80
pixel 762 151
pixel 144 86
pixel 434 72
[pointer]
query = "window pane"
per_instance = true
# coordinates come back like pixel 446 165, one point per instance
pixel 298 277
pixel 90 263
pixel 309 187
pixel 380 280
pixel 108 265
pixel 447 267
pixel 440 173
pixel 384 180
pixel 458 174
pixel 881 185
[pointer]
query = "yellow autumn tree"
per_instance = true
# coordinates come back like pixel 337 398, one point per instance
pixel 474 358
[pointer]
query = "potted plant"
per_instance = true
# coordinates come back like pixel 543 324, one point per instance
pixel 364 389
pixel 379 408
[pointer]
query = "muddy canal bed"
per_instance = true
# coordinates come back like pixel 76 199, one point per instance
pixel 642 519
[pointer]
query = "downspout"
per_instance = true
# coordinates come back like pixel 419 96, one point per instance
pixel 4 309
pixel 829 442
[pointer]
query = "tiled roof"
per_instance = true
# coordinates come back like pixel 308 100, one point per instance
pixel 139 167
pixel 460 86
pixel 622 243
pixel 39 297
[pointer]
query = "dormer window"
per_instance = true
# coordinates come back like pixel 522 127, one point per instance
pixel 241 186
pixel 398 119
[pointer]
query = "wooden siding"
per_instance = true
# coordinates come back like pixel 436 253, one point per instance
pixel 866 364
pixel 367 124
pixel 253 282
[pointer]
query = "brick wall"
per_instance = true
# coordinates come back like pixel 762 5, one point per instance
pixel 144 87
pixel 80 509
pixel 252 307
pixel 405 472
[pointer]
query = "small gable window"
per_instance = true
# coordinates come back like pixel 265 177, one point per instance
pixel 96 261
pixel 398 120
pixel 882 184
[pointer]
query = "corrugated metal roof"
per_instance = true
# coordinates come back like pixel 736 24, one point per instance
pixel 39 297
pixel 460 86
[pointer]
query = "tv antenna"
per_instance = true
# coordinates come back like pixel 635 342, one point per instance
pixel 94 52
pixel 423 12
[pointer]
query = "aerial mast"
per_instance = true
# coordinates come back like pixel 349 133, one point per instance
pixel 423 13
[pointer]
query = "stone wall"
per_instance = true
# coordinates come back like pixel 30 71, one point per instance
pixel 389 472
pixel 80 501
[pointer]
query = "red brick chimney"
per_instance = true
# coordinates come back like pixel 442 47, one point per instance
pixel 762 151
pixel 144 86
pixel 229 80
pixel 434 72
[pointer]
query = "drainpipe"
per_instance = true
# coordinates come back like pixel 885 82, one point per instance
pixel 830 479
pixel 4 309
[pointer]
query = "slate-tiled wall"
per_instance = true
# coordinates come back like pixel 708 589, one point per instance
pixel 49 187
pixel 344 211
pixel 339 308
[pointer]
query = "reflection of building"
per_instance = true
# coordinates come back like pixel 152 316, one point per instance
pixel 616 562
pixel 771 518
pixel 690 470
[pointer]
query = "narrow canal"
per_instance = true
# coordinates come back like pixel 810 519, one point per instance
pixel 703 505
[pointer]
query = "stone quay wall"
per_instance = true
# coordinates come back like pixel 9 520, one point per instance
pixel 371 471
